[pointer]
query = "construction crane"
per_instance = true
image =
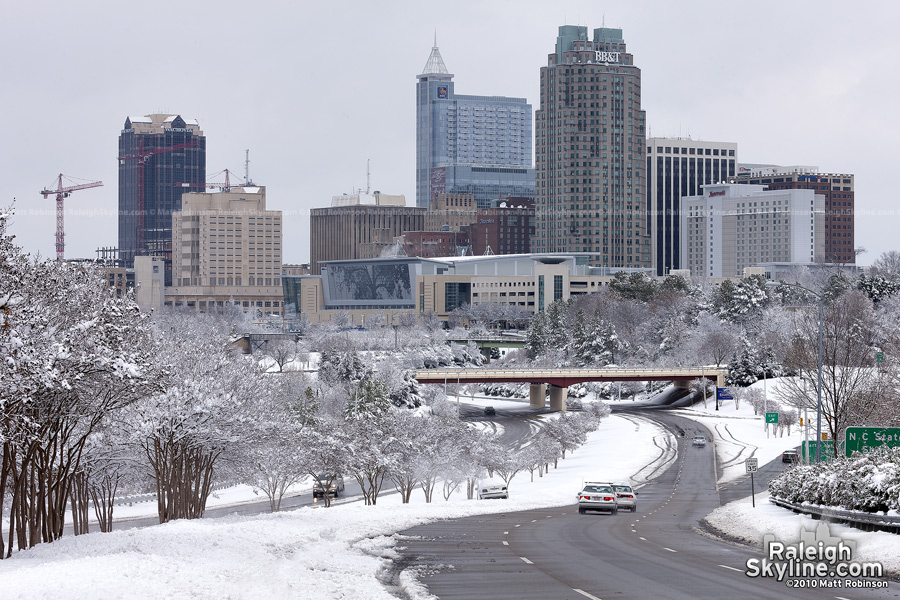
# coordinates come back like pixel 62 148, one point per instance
pixel 61 193
pixel 142 159
pixel 225 187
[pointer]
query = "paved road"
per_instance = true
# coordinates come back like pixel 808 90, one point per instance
pixel 559 554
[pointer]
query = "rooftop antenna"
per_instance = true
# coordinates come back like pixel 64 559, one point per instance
pixel 368 176
pixel 247 179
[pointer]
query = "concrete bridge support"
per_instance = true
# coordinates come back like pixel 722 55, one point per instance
pixel 558 398
pixel 538 395
pixel 486 353
pixel 683 384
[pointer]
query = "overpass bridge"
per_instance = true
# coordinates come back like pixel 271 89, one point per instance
pixel 560 379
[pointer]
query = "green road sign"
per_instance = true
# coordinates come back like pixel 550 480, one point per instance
pixel 808 450
pixel 879 357
pixel 771 417
pixel 859 439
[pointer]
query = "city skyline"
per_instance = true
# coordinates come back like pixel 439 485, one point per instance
pixel 779 80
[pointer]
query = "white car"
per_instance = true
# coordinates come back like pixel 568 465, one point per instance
pixel 597 496
pixel 698 440
pixel 489 489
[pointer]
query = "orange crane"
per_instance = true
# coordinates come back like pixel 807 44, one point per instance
pixel 142 158
pixel 61 193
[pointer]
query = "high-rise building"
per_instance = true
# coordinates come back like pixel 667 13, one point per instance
pixel 227 248
pixel 359 226
pixel 590 139
pixel 160 156
pixel 480 145
pixel 730 227
pixel 839 201
pixel 678 167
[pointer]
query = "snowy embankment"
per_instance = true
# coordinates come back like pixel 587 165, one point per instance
pixel 742 521
pixel 339 552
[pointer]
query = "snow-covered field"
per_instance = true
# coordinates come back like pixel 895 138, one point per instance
pixel 338 552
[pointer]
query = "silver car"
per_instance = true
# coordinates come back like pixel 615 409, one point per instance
pixel 626 497
pixel 492 489
pixel 597 496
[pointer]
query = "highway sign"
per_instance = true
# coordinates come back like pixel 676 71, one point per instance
pixel 752 465
pixel 723 394
pixel 859 439
pixel 808 451
pixel 771 417
pixel 879 357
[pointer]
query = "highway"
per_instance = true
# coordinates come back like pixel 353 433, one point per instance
pixel 557 553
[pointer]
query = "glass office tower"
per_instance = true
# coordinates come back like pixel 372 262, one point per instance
pixel 469 144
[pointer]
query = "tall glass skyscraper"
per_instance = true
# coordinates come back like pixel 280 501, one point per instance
pixel 160 157
pixel 469 144
pixel 590 142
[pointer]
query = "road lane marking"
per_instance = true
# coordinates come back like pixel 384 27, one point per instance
pixel 642 538
pixel 669 549
pixel 732 568
pixel 585 594
pixel 505 533
pixel 519 525
pixel 534 520
pixel 505 543
pixel 526 560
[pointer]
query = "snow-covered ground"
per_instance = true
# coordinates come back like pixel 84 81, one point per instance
pixel 343 551
pixel 748 523
pixel 338 552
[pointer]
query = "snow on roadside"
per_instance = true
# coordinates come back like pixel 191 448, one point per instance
pixel 739 434
pixel 337 552
pixel 741 520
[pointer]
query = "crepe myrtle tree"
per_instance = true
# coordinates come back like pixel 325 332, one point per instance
pixel 324 450
pixel 72 354
pixel 186 429
pixel 266 457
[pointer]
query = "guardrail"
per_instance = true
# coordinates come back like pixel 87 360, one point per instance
pixel 854 518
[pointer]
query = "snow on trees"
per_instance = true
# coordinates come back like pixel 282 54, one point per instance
pixel 72 354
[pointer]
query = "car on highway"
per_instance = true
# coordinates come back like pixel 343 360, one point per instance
pixel 490 489
pixel 489 411
pixel 790 456
pixel 334 483
pixel 626 497
pixel 698 440
pixel 597 496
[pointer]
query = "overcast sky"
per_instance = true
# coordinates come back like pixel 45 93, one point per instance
pixel 313 91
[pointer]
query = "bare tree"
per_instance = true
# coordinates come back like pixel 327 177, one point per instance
pixel 851 388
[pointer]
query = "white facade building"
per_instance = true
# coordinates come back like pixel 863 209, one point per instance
pixel 734 226
pixel 678 167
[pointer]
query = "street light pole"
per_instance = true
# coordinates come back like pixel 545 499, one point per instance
pixel 819 388
pixel 821 299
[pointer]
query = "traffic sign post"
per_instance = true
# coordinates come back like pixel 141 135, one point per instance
pixel 752 465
